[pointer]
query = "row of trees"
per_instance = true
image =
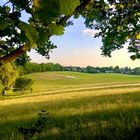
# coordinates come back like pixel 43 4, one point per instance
pixel 35 67
pixel 30 67
pixel 111 69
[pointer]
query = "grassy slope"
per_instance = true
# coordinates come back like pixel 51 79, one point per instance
pixel 57 80
pixel 78 109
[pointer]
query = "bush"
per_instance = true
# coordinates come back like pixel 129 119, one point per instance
pixel 8 74
pixel 23 83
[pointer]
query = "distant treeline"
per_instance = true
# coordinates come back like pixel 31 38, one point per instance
pixel 116 69
pixel 35 67
pixel 31 67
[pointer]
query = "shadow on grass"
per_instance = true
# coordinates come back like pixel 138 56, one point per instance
pixel 114 124
pixel 119 123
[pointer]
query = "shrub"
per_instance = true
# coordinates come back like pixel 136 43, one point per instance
pixel 23 83
pixel 8 76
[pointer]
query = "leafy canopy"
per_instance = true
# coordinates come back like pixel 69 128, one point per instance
pixel 8 75
pixel 118 22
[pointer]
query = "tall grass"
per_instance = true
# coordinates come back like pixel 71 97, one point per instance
pixel 77 113
pixel 74 118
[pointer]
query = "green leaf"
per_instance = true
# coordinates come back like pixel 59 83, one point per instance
pixel 119 28
pixel 56 30
pixel 47 10
pixel 68 6
pixel 43 37
pixel 30 32
pixel 30 44
pixel 138 36
pixel 3 24
pixel 107 7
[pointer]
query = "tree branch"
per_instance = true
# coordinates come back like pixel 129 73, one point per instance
pixel 17 52
pixel 78 9
pixel 6 3
pixel 13 55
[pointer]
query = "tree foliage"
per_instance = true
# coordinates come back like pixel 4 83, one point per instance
pixel 117 21
pixel 43 67
pixel 22 60
pixel 23 83
pixel 8 75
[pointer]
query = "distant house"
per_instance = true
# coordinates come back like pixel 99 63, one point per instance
pixel 79 69
pixel 70 68
pixel 109 71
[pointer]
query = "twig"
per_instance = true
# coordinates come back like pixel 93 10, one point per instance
pixel 6 3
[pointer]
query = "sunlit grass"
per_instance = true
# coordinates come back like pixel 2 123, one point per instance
pixel 60 80
pixel 84 111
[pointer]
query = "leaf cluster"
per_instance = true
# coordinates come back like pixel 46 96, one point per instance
pixel 8 75
pixel 34 33
pixel 23 83
pixel 118 23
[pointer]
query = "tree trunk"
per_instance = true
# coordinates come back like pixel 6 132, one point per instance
pixel 13 55
pixel 3 92
pixel 26 137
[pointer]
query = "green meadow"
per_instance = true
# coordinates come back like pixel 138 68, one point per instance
pixel 81 106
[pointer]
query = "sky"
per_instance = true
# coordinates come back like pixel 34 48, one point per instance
pixel 78 47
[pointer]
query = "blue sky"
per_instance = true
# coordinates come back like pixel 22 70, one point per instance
pixel 77 47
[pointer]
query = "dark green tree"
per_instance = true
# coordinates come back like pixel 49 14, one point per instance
pixel 22 60
pixel 22 84
pixel 90 69
pixel 117 69
pixel 117 22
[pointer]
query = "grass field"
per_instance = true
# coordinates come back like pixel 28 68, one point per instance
pixel 81 106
